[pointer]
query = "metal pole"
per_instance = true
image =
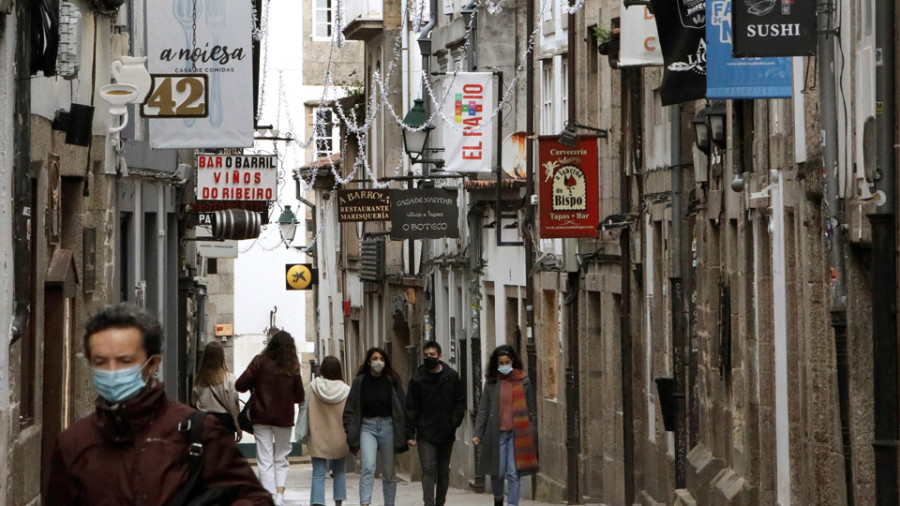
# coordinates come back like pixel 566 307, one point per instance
pixel 21 180
pixel 573 411
pixel 679 347
pixel 475 342
pixel 833 211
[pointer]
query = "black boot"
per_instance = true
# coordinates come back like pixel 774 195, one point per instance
pixel 498 501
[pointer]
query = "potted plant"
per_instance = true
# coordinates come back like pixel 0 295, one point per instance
pixel 602 35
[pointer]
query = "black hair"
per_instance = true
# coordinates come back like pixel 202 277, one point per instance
pixel 388 370
pixel 125 316
pixel 432 344
pixel 330 368
pixel 506 350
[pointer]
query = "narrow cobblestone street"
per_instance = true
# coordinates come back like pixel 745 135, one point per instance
pixel 408 493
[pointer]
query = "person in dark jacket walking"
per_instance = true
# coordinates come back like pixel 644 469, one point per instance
pixel 435 407
pixel 130 450
pixel 274 377
pixel 503 426
pixel 375 423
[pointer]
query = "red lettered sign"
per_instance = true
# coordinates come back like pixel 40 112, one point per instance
pixel 237 177
pixel 569 188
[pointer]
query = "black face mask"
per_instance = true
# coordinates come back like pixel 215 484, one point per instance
pixel 431 362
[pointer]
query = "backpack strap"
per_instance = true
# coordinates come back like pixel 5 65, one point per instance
pixel 192 430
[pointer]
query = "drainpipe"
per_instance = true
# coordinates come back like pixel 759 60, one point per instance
pixel 834 227
pixel 884 267
pixel 425 49
pixel 679 331
pixel 573 401
pixel 425 43
pixel 631 95
pixel 470 13
pixel 22 229
pixel 530 230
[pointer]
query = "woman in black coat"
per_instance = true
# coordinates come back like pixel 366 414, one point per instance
pixel 375 423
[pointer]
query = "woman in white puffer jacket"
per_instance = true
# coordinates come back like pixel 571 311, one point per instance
pixel 327 441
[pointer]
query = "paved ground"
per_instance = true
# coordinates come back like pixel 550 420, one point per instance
pixel 408 494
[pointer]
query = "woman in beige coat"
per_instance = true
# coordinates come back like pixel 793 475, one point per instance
pixel 214 390
pixel 327 441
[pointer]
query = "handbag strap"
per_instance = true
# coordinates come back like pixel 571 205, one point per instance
pixel 216 397
pixel 192 429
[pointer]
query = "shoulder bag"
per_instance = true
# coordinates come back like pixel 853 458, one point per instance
pixel 194 492
pixel 244 420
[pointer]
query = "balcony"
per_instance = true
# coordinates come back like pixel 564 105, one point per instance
pixel 364 19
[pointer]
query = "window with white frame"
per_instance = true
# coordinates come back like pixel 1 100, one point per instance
pixel 324 132
pixel 323 16
pixel 547 115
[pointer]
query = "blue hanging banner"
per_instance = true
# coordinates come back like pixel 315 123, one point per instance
pixel 739 78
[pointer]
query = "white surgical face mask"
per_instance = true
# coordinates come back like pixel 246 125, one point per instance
pixel 377 366
pixel 505 369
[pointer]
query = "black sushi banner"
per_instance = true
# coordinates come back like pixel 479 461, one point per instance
pixel 773 27
pixel 682 37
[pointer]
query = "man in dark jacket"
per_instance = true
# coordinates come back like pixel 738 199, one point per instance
pixel 435 406
pixel 131 449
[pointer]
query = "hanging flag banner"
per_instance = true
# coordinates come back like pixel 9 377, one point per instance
pixel 739 78
pixel 199 56
pixel 682 37
pixel 774 28
pixel 468 104
pixel 569 188
pixel 425 213
pixel 639 41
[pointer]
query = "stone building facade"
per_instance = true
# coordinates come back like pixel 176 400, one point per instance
pixel 707 346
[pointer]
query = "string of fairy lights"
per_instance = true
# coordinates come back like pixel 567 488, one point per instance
pixel 379 101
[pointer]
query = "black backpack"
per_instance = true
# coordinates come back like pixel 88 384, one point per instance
pixel 194 492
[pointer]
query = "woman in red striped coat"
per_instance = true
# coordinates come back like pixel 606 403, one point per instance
pixel 504 425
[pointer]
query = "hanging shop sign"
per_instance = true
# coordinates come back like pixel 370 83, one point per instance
pixel 739 78
pixel 468 105
pixel 237 177
pixel 774 28
pixel 425 213
pixel 300 276
pixel 215 249
pixel 200 61
pixel 682 37
pixel 363 204
pixel 569 188
pixel 639 40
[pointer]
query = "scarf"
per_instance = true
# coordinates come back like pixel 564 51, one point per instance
pixel 526 454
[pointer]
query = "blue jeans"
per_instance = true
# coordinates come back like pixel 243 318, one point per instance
pixel 320 467
pixel 507 469
pixel 377 438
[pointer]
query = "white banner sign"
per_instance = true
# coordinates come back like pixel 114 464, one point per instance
pixel 237 177
pixel 201 59
pixel 468 139
pixel 215 249
pixel 639 43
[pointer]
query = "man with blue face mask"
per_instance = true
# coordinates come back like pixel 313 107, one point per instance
pixel 131 449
